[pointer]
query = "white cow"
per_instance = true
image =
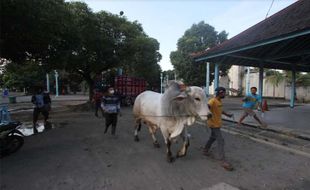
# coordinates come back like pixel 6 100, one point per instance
pixel 171 112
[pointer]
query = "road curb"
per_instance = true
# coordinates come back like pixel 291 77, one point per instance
pixel 266 140
pixel 287 133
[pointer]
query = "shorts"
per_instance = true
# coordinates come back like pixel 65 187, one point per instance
pixel 37 111
pixel 248 111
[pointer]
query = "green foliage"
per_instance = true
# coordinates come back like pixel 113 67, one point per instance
pixel 170 74
pixel 274 77
pixel 143 62
pixel 31 29
pixel 302 79
pixel 199 37
pixel 69 36
pixel 31 74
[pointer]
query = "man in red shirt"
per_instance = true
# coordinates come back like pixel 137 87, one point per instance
pixel 97 99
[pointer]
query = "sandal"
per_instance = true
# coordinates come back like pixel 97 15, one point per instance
pixel 206 152
pixel 227 166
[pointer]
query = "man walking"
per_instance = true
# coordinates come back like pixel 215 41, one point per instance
pixel 111 107
pixel 215 124
pixel 42 103
pixel 251 102
pixel 97 98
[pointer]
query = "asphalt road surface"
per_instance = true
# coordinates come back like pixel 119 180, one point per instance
pixel 76 155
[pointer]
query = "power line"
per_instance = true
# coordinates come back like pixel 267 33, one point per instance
pixel 269 9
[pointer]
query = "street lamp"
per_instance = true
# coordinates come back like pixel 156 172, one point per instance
pixel 47 83
pixel 56 80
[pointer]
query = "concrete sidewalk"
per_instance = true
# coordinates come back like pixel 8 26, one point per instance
pixel 24 102
pixel 282 119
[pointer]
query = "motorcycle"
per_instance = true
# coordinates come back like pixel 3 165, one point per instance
pixel 11 139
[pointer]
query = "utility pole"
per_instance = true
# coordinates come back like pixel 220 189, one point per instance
pixel 161 83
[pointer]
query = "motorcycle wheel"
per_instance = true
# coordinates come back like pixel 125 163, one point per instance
pixel 13 143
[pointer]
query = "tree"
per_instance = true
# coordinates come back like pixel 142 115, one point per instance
pixel 275 78
pixel 104 41
pixel 302 79
pixel 169 74
pixel 144 61
pixel 26 76
pixel 54 34
pixel 199 37
pixel 31 29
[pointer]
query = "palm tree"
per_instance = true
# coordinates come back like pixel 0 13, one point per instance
pixel 275 78
pixel 301 79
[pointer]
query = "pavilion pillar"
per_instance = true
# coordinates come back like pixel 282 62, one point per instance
pixel 207 78
pixel 293 88
pixel 247 81
pixel 261 81
pixel 216 76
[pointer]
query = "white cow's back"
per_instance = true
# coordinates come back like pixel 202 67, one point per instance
pixel 147 106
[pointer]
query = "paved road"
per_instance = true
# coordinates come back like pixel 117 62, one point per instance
pixel 77 155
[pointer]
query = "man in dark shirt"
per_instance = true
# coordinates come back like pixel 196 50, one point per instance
pixel 42 103
pixel 111 107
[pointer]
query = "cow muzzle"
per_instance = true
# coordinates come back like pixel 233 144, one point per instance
pixel 209 115
pixel 206 116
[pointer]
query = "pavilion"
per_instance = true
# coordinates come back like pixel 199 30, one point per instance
pixel 281 41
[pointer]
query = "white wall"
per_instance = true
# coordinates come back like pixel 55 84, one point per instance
pixel 268 88
pixel 234 76
pixel 302 93
pixel 281 91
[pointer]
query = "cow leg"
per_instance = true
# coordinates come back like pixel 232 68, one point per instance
pixel 137 129
pixel 168 142
pixel 183 150
pixel 152 130
pixel 170 158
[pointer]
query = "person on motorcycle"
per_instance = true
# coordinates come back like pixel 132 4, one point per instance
pixel 42 103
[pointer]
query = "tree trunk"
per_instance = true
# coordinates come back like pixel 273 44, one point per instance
pixel 90 83
pixel 90 89
pixel 274 90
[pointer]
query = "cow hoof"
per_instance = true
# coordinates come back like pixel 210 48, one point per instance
pixel 156 144
pixel 137 139
pixel 179 155
pixel 170 159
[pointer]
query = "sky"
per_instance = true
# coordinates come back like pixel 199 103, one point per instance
pixel 167 20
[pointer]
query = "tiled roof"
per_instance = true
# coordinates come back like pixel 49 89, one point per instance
pixel 293 18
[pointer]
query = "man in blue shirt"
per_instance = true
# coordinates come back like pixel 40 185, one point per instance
pixel 250 102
